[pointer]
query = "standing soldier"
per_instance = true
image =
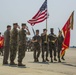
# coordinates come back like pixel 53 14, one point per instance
pixel 59 41
pixel 36 40
pixel 13 43
pixel 6 44
pixel 52 44
pixel 22 43
pixel 44 45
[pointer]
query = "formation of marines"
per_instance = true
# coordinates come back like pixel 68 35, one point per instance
pixel 15 40
pixel 49 44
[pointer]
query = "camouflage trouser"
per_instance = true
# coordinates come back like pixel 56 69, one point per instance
pixel 36 51
pixel 6 54
pixel 51 49
pixel 44 49
pixel 13 51
pixel 59 49
pixel 21 52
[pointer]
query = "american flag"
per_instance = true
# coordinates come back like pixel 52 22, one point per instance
pixel 41 15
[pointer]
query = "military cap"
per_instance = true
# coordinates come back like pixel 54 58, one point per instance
pixel 15 23
pixel 37 30
pixel 23 24
pixel 44 29
pixel 8 26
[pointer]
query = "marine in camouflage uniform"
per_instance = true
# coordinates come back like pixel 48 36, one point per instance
pixel 36 41
pixel 6 45
pixel 59 41
pixel 22 44
pixel 52 44
pixel 13 43
pixel 44 45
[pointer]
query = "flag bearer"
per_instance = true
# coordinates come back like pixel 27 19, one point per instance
pixel 44 45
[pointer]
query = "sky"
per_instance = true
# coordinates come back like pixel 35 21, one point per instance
pixel 20 11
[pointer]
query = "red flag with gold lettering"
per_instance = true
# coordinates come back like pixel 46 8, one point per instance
pixel 66 31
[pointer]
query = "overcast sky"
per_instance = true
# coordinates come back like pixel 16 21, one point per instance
pixel 20 11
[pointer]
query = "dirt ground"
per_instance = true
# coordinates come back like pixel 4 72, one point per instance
pixel 67 67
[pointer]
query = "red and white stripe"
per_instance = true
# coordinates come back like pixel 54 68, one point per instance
pixel 39 17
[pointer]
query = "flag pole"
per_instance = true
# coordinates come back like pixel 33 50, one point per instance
pixel 33 30
pixel 46 29
pixel 46 25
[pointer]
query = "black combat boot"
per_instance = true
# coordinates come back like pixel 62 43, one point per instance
pixel 47 59
pixel 20 64
pixel 13 63
pixel 62 58
pixel 55 59
pixel 59 60
pixel 37 60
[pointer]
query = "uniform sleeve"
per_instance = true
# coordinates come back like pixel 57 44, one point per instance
pixel 19 36
pixel 4 35
pixel 22 36
pixel 33 38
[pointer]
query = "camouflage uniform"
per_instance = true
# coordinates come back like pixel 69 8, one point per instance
pixel 6 46
pixel 13 44
pixel 52 45
pixel 22 45
pixel 44 47
pixel 36 47
pixel 59 40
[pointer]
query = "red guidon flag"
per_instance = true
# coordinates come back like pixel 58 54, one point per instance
pixel 41 15
pixel 1 41
pixel 66 31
